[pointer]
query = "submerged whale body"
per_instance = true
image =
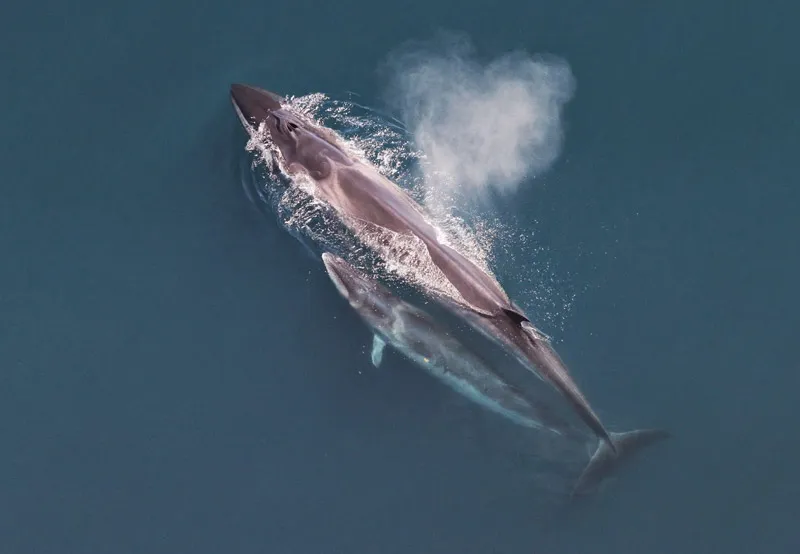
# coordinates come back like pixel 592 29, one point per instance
pixel 418 337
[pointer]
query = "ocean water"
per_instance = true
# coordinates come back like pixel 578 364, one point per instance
pixel 177 374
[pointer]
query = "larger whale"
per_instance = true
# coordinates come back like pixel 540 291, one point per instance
pixel 360 193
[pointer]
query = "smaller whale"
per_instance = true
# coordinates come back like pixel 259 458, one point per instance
pixel 415 335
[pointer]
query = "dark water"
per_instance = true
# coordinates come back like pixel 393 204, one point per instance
pixel 177 375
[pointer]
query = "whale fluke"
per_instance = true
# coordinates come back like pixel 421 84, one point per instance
pixel 605 461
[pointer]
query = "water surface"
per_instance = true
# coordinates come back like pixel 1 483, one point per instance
pixel 176 374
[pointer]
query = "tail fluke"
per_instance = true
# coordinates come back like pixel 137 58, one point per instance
pixel 605 460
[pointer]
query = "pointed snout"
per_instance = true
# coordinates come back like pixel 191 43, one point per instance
pixel 252 104
pixel 350 282
pixel 340 272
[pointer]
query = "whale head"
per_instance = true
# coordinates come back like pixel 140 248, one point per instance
pixel 373 302
pixel 300 144
pixel 256 106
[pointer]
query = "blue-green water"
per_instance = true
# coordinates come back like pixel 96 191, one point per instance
pixel 177 375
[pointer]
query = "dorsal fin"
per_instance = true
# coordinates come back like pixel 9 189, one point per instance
pixel 515 316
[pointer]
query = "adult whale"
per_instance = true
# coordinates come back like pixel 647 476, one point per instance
pixel 362 196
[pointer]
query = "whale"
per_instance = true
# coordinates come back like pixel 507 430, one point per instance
pixel 419 338
pixel 413 333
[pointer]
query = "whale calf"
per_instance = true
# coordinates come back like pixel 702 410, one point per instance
pixel 364 198
pixel 414 334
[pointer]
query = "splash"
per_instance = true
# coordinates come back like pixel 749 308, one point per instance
pixel 482 128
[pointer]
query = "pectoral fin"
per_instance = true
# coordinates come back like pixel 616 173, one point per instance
pixel 378 344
